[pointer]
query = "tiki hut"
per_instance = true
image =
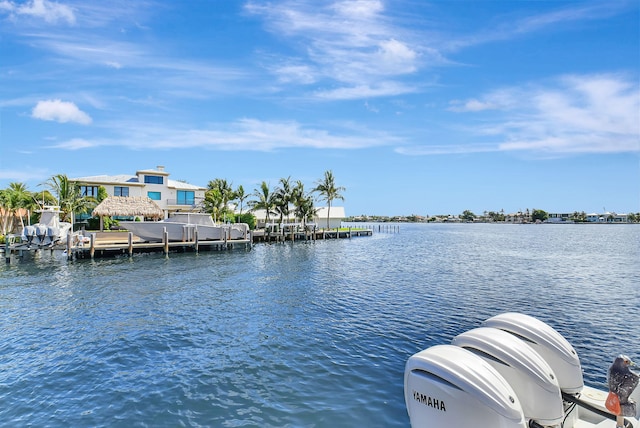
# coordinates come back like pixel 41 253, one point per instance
pixel 127 206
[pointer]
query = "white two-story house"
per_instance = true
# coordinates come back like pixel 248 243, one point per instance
pixel 170 195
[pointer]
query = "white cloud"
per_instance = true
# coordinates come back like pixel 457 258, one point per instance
pixel 397 57
pixel 365 91
pixel 294 73
pixel 23 174
pixel 76 144
pixel 444 149
pixel 470 105
pixel 60 111
pixel 184 77
pixel 254 134
pixel 573 114
pixel 50 11
pixel 245 134
pixel 561 17
pixel 359 8
pixel 351 42
pixel 113 64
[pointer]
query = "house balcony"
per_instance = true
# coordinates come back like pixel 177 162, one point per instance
pixel 184 204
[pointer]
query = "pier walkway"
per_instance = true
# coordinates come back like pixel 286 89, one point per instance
pixel 108 244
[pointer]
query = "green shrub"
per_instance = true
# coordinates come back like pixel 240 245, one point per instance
pixel 93 223
pixel 248 218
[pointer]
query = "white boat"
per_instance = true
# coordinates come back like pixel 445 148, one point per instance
pixel 49 231
pixel 181 227
pixel 514 371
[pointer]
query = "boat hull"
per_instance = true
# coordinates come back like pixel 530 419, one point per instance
pixel 181 232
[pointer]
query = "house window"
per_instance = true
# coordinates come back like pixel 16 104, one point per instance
pixel 89 191
pixel 186 197
pixel 120 191
pixel 154 179
pixel 156 196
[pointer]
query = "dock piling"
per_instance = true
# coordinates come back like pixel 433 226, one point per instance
pixel 69 244
pixel 92 248
pixel 165 240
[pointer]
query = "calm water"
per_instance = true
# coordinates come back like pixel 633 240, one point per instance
pixel 309 334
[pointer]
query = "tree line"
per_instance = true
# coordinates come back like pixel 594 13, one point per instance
pixel 287 200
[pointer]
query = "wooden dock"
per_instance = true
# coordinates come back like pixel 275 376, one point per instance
pixel 296 235
pixel 109 244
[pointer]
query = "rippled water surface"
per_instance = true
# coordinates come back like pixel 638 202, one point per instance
pixel 309 334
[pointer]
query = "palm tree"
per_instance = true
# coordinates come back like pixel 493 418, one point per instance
pixel 303 203
pixel 43 197
pixel 17 198
pixel 226 192
pixel 6 221
pixel 328 191
pixel 283 195
pixel 241 196
pixel 69 197
pixel 265 200
pixel 213 202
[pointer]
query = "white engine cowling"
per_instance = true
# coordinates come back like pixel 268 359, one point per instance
pixel 28 233
pixel 533 381
pixel 547 342
pixel 448 386
pixel 54 233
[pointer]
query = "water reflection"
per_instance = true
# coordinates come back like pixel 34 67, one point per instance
pixel 311 333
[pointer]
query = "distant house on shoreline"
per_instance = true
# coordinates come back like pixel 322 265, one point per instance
pixel 170 195
pixel 607 217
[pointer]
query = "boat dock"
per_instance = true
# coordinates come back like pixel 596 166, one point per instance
pixel 106 244
pixel 309 235
pixel 109 244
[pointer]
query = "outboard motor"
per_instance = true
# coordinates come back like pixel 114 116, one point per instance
pixel 547 342
pixel 533 381
pixel 28 233
pixel 448 386
pixel 54 234
pixel 41 233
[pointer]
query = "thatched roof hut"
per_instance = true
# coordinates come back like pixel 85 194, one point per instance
pixel 128 206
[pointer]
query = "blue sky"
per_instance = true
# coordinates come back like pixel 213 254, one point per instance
pixel 417 107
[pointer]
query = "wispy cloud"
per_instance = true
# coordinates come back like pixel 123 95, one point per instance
pixel 583 114
pixel 123 62
pixel 509 27
pixel 578 12
pixel 60 111
pixel 90 49
pixel 470 105
pixel 388 88
pixel 573 114
pixel 25 174
pixel 49 11
pixel 76 144
pixel 454 149
pixel 352 49
pixel 244 135
pixel 350 42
